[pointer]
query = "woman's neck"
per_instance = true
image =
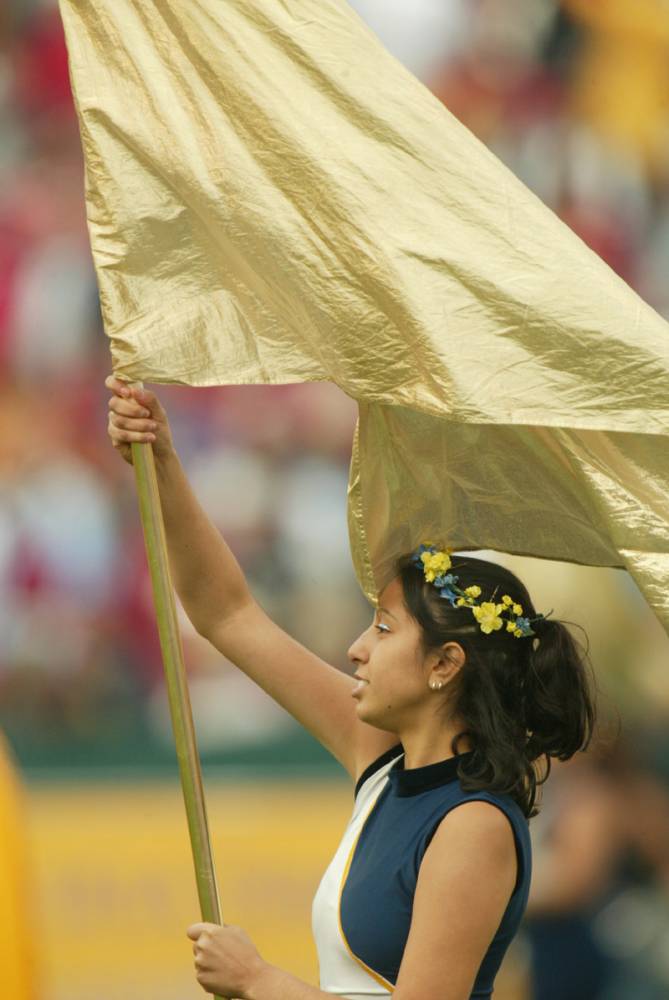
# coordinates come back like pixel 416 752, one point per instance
pixel 429 744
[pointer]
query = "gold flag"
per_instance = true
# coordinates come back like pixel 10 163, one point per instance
pixel 273 198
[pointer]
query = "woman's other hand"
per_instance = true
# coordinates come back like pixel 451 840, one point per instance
pixel 136 415
pixel 226 960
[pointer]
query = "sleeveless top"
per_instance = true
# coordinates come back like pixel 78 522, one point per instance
pixel 362 908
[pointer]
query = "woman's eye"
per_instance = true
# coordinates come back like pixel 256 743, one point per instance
pixel 382 628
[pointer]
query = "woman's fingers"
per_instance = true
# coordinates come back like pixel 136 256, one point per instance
pixel 145 396
pixel 128 424
pixel 132 420
pixel 195 931
pixel 124 435
pixel 127 399
pixel 130 437
pixel 116 385
pixel 128 407
pixel 136 415
pixel 127 416
pixel 126 391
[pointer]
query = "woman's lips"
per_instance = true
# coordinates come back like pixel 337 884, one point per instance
pixel 359 688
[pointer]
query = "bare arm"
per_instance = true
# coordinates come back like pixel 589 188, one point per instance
pixel 465 881
pixel 216 597
pixel 207 577
pixel 313 691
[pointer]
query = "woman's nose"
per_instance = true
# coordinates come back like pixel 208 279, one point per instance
pixel 357 652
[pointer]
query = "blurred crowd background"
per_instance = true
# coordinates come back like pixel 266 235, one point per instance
pixel 574 97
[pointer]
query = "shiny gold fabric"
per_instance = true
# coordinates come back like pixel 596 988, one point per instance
pixel 273 198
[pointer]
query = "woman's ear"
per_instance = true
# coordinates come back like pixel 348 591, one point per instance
pixel 446 664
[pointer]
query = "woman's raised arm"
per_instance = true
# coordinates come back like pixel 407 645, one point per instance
pixel 215 594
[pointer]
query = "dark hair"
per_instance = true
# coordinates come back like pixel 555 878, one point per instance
pixel 522 700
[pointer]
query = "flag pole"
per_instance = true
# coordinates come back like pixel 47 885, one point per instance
pixel 175 678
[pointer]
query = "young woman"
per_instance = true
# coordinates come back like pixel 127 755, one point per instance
pixel 461 694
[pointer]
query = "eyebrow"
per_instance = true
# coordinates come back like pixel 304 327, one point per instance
pixel 389 613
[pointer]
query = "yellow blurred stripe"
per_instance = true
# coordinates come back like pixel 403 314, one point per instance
pixel 17 968
pixel 117 891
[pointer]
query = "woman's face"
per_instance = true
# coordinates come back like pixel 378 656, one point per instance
pixel 391 667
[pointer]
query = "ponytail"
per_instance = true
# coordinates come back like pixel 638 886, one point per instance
pixel 559 713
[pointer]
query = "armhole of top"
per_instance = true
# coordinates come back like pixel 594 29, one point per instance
pixel 520 860
pixel 376 765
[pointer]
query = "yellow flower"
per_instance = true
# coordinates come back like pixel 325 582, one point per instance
pixel 460 601
pixel 518 633
pixel 517 609
pixel 434 564
pixel 487 615
pixel 473 591
pixel 506 600
pixel 511 626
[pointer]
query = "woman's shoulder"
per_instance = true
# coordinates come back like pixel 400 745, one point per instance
pixel 499 808
pixel 485 813
pixel 493 815
pixel 501 800
pixel 479 830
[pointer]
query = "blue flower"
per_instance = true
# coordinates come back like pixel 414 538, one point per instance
pixel 524 625
pixel 449 595
pixel 445 581
pixel 416 557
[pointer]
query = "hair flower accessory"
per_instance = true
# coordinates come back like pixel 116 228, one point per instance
pixel 487 615
pixel 490 615
pixel 435 564
pixel 445 585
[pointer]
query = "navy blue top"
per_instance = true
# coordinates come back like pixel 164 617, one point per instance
pixel 377 899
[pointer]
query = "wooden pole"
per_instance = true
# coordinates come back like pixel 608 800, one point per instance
pixel 175 677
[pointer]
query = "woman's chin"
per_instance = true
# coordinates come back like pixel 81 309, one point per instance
pixel 366 714
pixel 363 713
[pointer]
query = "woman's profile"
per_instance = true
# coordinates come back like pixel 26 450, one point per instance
pixel 461 694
